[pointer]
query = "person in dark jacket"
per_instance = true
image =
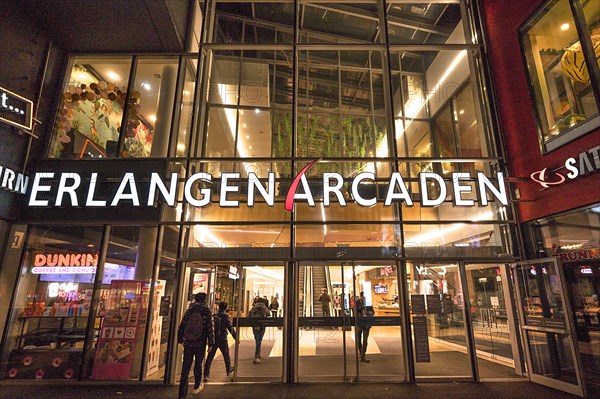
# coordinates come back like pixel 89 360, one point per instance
pixel 221 342
pixel 364 314
pixel 195 348
pixel 259 310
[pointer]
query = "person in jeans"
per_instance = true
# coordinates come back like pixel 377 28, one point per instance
pixel 195 333
pixel 221 342
pixel 258 310
pixel 363 326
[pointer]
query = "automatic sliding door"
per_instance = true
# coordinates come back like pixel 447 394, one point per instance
pixel 383 358
pixel 326 350
pixel 259 349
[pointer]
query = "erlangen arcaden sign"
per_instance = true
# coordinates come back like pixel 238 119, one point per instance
pixel 70 187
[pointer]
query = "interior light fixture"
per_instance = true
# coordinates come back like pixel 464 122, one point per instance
pixel 257 111
pixel 112 75
pixel 152 118
pixel 565 26
pixel 181 147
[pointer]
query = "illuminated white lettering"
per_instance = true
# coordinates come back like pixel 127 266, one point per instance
pixel 335 189
pixel 37 187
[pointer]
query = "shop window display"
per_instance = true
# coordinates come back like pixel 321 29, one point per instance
pixel 52 304
pixel 559 74
pixel 91 109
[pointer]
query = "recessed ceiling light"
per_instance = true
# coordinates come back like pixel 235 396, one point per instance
pixel 245 125
pixel 181 147
pixel 462 111
pixel 186 92
pixel 250 147
pixel 248 136
pixel 152 118
pixel 112 75
pixel 146 86
pixel 565 26
pixel 257 111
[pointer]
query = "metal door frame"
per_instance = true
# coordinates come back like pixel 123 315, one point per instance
pixel 578 389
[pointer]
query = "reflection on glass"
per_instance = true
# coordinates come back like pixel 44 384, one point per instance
pixel 417 23
pixel 91 109
pixel 551 356
pixel 184 133
pixel 558 73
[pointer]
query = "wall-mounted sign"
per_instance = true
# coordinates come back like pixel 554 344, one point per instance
pixel 587 162
pixel 13 181
pixel 16 110
pixel 70 263
pixel 73 189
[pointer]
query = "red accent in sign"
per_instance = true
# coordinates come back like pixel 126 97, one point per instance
pixel 289 199
pixel 540 178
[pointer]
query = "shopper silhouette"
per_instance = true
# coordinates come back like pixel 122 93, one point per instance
pixel 363 326
pixel 223 326
pixel 259 310
pixel 195 333
pixel 325 300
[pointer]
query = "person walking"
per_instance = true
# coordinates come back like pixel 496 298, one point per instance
pixel 195 333
pixel 259 310
pixel 363 326
pixel 274 307
pixel 223 326
pixel 325 300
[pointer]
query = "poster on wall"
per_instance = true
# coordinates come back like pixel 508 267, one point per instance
pixel 200 283
pixel 114 353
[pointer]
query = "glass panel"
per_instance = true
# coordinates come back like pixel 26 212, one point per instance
pixel 162 312
pixel 379 323
pixel 339 22
pixel 91 109
pixel 558 72
pixel 254 22
pixel 336 236
pixel 256 89
pixel 150 108
pixel 260 323
pixel 50 312
pixel 261 236
pixel 551 356
pixel 424 23
pixel 325 336
pixel 186 112
pixel 438 318
pixel 490 321
pixel 124 303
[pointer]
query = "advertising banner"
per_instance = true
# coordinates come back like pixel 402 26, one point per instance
pixel 114 353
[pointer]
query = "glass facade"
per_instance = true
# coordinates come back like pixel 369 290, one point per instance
pixel 562 44
pixel 266 89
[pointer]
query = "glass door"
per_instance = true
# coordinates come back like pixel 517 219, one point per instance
pixel 349 322
pixel 546 325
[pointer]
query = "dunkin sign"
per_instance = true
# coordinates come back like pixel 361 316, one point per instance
pixel 69 263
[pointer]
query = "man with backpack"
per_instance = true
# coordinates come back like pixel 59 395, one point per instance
pixel 195 333
pixel 223 325
pixel 259 310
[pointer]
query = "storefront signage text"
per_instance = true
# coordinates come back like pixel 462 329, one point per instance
pixel 13 181
pixel 587 162
pixel 65 263
pixel 69 187
pixel 16 110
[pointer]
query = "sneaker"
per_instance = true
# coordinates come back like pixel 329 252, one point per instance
pixel 256 360
pixel 231 370
pixel 196 391
pixel 365 360
pixel 206 378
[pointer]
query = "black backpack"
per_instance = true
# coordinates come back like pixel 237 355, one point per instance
pixel 193 328
pixel 218 327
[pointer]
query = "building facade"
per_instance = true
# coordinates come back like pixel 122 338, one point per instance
pixel 314 154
